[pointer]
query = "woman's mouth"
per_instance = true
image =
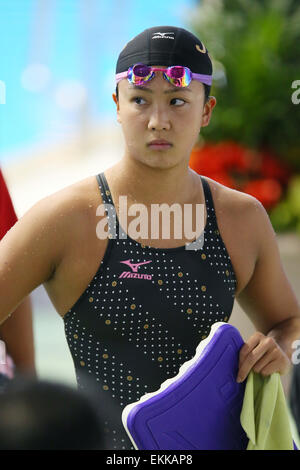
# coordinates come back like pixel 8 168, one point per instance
pixel 159 145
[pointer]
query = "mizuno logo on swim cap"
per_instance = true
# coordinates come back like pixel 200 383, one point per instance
pixel 159 35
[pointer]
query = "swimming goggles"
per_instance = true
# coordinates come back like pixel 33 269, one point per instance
pixel 177 75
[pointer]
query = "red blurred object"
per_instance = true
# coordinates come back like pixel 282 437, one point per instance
pixel 223 178
pixel 8 216
pixel 258 173
pixel 267 191
pixel 219 157
pixel 272 168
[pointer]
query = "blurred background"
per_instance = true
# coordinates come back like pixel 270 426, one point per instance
pixel 58 120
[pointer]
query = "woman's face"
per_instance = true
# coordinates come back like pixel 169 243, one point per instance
pixel 159 110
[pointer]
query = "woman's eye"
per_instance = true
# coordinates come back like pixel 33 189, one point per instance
pixel 178 99
pixel 137 98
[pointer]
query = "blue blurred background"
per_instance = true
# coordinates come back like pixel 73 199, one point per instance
pixel 58 62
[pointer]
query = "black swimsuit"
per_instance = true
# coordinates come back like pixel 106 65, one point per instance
pixel 144 313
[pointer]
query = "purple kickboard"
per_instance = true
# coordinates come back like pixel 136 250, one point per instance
pixel 199 408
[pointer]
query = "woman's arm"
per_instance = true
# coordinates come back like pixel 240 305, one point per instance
pixel 271 304
pixel 17 334
pixel 17 331
pixel 29 254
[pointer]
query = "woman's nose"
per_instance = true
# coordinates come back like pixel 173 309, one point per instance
pixel 159 119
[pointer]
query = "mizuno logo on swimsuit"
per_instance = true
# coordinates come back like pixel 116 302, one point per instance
pixel 135 275
pixel 134 267
pixel 160 35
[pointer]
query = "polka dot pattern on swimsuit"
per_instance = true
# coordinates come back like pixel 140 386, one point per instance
pixel 129 334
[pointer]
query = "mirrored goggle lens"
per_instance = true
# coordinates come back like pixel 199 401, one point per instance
pixel 179 76
pixel 140 73
pixel 176 75
pixel 141 70
pixel 176 72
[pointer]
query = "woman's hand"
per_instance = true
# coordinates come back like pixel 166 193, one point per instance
pixel 263 355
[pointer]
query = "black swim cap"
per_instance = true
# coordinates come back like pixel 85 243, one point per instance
pixel 166 45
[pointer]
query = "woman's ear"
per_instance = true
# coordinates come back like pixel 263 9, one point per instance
pixel 118 107
pixel 207 110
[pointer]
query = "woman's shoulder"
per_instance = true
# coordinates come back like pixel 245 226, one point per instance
pixel 232 199
pixel 75 196
pixel 71 207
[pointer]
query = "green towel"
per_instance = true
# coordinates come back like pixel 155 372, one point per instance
pixel 264 416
